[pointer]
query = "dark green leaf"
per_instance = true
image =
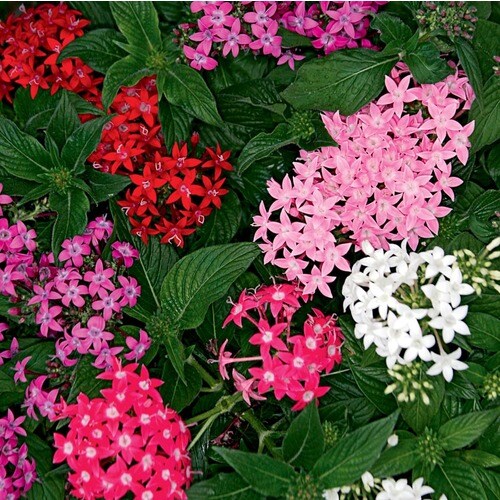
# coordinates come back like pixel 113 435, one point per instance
pixel 485 330
pixel 184 87
pixel 263 145
pixel 64 121
pixel 85 380
pixel 175 123
pixel 175 352
pixel 178 393
pixel 21 155
pixel 82 143
pixel 345 80
pixel 226 486
pixel 480 458
pixel 96 48
pixel 397 460
pixel 417 414
pixel 292 39
pixel 104 186
pixel 463 430
pixel 264 474
pixel 486 113
pixel 201 278
pixel 470 63
pixel 492 164
pixel 71 208
pixel 51 486
pixel 486 43
pixel 304 440
pixel 138 21
pixel 123 73
pixel 10 393
pixel 354 454
pixel 392 29
pixel 490 481
pixel 41 452
pixel 98 12
pixel 455 479
pixel 426 65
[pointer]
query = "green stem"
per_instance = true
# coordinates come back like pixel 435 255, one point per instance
pixel 211 381
pixel 224 405
pixel 200 433
pixel 262 432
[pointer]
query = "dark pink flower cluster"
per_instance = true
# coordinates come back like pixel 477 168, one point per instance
pixel 290 364
pixel 226 27
pixel 383 182
pixel 126 442
pixel 17 472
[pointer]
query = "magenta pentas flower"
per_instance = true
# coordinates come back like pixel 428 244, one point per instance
pixel 286 362
pixel 126 442
pixel 17 471
pixel 223 28
pixel 385 181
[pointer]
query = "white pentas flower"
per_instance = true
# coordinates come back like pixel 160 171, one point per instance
pixel 408 305
pixel 446 364
pixel 401 490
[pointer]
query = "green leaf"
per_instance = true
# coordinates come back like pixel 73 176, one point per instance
pixel 354 454
pixel 417 414
pixel 291 39
pixel 104 186
pixel 486 113
pixel 455 479
pixel 85 380
pixel 304 440
pixel 492 164
pixel 71 208
pixel 345 80
pixel 51 486
pixel 96 48
pixel 123 73
pixel 138 21
pixel 490 481
pixel 21 155
pixel 98 12
pixel 463 430
pixel 426 64
pixel 397 459
pixel 179 394
pixel 64 121
pixel 485 330
pixel 175 352
pixel 223 486
pixel 486 43
pixel 201 278
pixel 175 123
pixel 263 145
pixel 264 474
pixel 10 393
pixel 480 458
pixel 485 205
pixel 184 87
pixel 41 452
pixel 392 28
pixel 222 224
pixel 82 143
pixel 150 269
pixel 470 63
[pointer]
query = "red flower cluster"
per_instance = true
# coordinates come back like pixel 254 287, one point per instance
pixel 290 364
pixel 30 44
pixel 128 441
pixel 172 194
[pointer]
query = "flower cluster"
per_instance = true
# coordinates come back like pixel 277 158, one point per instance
pixel 172 193
pixel 126 442
pixel 225 27
pixel 385 489
pixel 383 182
pixel 456 19
pixel 406 303
pixel 30 43
pixel 290 364
pixel 17 472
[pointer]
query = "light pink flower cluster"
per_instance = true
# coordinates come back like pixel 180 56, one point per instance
pixel 290 364
pixel 126 442
pixel 226 27
pixel 383 182
pixel 17 472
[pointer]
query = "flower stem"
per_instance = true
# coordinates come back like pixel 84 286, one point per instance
pixel 211 381
pixel 224 405
pixel 262 432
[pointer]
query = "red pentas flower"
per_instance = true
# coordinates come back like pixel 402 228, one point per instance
pixel 125 442
pixel 172 193
pixel 288 362
pixel 30 43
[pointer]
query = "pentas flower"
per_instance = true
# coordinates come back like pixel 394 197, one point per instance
pixel 126 442
pixel 17 471
pixel 172 193
pixel 287 362
pixel 30 43
pixel 221 29
pixel 385 181
pixel 408 306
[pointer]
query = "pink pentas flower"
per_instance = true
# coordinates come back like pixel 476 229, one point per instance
pixel 138 347
pixel 289 58
pixel 125 252
pixel 131 291
pixel 99 278
pixel 74 251
pixel 108 303
pixel 262 14
pixel 267 39
pixel 200 58
pixel 20 369
pixel 233 39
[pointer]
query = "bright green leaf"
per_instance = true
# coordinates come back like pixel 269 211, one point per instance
pixel 392 28
pixel 426 65
pixel 480 458
pixel 485 330
pixel 397 459
pixel 64 121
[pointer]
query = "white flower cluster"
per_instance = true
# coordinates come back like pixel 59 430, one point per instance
pixel 407 303
pixel 386 489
